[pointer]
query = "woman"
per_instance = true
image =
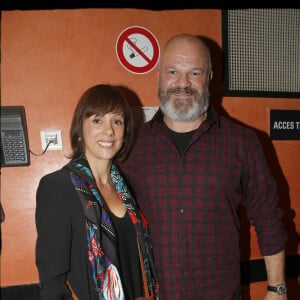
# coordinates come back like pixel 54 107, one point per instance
pixel 93 242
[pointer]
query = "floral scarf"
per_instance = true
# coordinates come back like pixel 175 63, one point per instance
pixel 101 237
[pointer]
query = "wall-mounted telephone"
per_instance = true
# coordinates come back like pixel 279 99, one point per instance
pixel 14 137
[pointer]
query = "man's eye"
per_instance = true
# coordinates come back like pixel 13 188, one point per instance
pixel 196 73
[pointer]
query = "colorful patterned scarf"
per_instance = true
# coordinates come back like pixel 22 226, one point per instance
pixel 101 237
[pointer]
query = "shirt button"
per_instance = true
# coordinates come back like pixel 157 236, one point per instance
pixel 181 210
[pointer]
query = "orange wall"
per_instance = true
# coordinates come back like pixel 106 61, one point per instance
pixel 49 57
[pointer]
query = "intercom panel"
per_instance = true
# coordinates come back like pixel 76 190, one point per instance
pixel 14 137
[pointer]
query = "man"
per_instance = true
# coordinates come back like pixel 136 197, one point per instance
pixel 191 169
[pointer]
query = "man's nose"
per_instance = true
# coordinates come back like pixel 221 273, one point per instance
pixel 183 80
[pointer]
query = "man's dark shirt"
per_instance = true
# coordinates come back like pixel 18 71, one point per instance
pixel 191 203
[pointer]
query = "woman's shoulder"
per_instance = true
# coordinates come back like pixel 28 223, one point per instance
pixel 60 177
pixel 56 185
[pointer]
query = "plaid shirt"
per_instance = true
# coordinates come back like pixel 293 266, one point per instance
pixel 191 203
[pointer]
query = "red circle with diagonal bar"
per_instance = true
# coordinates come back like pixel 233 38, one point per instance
pixel 137 50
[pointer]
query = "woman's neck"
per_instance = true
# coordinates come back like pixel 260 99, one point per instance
pixel 101 171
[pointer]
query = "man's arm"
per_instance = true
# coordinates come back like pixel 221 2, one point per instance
pixel 275 267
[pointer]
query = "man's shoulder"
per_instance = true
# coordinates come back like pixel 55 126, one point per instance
pixel 146 129
pixel 236 132
pixel 227 122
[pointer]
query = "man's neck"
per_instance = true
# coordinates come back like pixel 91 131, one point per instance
pixel 180 126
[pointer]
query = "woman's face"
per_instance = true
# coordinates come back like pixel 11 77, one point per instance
pixel 103 135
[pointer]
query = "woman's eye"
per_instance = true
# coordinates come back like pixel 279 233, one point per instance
pixel 118 122
pixel 97 121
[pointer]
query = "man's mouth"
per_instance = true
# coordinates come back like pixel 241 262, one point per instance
pixel 181 91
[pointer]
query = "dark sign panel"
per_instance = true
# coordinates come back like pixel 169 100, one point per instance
pixel 284 124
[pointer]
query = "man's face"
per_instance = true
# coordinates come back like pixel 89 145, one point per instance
pixel 183 81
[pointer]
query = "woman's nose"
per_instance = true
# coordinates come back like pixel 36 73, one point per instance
pixel 108 130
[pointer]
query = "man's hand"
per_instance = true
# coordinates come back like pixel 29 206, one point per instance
pixel 274 296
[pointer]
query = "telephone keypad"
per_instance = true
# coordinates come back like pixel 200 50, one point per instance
pixel 13 146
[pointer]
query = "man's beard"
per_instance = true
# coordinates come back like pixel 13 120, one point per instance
pixel 181 108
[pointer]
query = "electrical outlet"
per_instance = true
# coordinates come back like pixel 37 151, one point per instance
pixel 53 137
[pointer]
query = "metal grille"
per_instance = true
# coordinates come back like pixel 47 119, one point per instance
pixel 263 50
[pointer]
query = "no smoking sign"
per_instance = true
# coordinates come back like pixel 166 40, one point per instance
pixel 137 50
